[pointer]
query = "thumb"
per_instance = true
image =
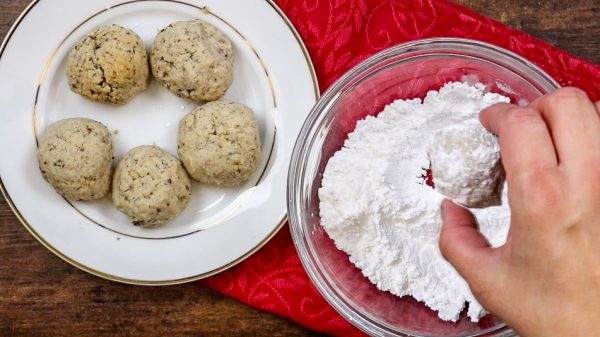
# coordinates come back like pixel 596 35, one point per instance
pixel 461 243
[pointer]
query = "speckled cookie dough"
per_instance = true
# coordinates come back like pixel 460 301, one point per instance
pixel 109 64
pixel 219 143
pixel 150 186
pixel 75 157
pixel 194 60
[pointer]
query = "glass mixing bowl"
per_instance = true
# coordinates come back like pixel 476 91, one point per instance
pixel 405 71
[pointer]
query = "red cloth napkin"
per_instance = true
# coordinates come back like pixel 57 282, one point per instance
pixel 339 34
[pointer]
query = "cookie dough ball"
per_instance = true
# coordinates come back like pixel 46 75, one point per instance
pixel 150 186
pixel 466 165
pixel 109 65
pixel 194 60
pixel 75 157
pixel 219 143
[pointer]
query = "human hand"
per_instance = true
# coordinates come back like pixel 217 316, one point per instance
pixel 545 281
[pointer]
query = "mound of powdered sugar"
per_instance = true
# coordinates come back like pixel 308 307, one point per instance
pixel 378 205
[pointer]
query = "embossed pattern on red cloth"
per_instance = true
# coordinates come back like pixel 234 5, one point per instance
pixel 338 35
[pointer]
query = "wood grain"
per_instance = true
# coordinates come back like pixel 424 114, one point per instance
pixel 43 296
pixel 572 25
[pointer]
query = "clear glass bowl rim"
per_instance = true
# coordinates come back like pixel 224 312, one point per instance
pixel 306 137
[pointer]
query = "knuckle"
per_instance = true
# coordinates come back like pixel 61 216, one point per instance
pixel 545 191
pixel 445 243
pixel 480 292
pixel 566 94
pixel 595 276
pixel 592 181
pixel 520 115
pixel 573 220
pixel 483 290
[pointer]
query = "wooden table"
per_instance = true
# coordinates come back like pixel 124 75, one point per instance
pixel 40 295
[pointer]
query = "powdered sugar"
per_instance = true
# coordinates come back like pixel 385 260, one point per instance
pixel 376 208
pixel 467 145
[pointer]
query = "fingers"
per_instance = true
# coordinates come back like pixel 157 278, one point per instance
pixel 573 123
pixel 525 141
pixel 462 245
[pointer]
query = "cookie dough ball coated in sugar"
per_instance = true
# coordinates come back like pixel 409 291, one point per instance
pixel 466 165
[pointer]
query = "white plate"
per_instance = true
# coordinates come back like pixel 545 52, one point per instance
pixel 220 226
